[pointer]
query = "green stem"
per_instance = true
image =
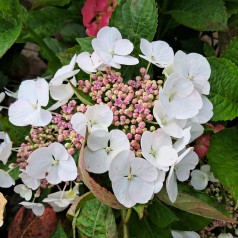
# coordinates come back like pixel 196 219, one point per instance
pixel 148 66
pixel 125 218
pixel 151 122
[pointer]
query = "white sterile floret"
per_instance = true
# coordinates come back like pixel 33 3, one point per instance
pixel 97 117
pixel 62 93
pixel 181 143
pixel 53 163
pixel 102 147
pixel 201 177
pixel 29 181
pixel 32 95
pixel 5 147
pixel 61 200
pixel 180 170
pixel 194 67
pixel 179 99
pixel 157 52
pixel 112 49
pixel 6 180
pixel 65 73
pixel 185 234
pixel 24 191
pixel 37 208
pixel 133 179
pixel 157 149
pixel 170 126
pixel 90 63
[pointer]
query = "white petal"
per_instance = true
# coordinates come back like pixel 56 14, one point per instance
pixel 159 181
pixel 39 162
pixel 5 147
pixel 143 169
pixel 182 142
pixel 84 62
pixel 79 123
pixel 127 60
pixel 167 124
pixel 95 161
pixel 67 170
pixel 2 96
pixel 123 47
pixel 100 114
pixel 64 73
pixel 182 108
pixel 171 185
pixel 166 157
pixel 120 166
pixel 29 181
pixel 137 194
pixel 6 180
pixel 58 151
pixel 145 47
pixel 163 53
pixel 42 91
pixel 19 111
pixel 27 91
pixel 206 113
pixel 185 234
pixel 199 179
pixel 187 161
pixel 121 190
pixel 118 140
pixel 98 140
pixel 37 208
pixel 53 175
pixel 58 92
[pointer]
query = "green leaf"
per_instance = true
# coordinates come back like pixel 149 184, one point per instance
pixel 67 55
pixel 40 3
pixel 195 223
pixel 136 19
pixel 85 44
pixel 9 33
pixel 140 208
pixel 224 84
pixel 231 8
pixel 231 51
pixel 71 31
pixel 16 133
pixel 160 214
pixel 96 219
pixel 45 22
pixel 5 5
pixel 59 232
pixel 202 15
pixel 194 205
pixel 145 228
pixel 84 98
pixel 222 156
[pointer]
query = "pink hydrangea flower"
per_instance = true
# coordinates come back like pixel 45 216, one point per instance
pixel 96 14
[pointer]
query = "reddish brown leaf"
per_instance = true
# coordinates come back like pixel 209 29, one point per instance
pixel 27 225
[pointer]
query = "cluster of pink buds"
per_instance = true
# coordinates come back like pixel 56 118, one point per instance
pixel 131 103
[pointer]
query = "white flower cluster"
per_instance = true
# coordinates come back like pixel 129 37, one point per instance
pixel 181 109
